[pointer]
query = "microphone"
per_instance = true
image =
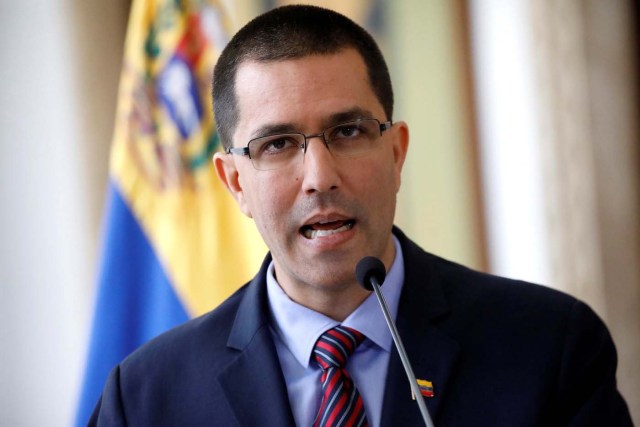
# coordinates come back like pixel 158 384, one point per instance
pixel 370 273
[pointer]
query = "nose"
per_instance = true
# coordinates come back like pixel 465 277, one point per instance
pixel 320 171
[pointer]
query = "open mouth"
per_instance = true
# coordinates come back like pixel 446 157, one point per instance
pixel 324 229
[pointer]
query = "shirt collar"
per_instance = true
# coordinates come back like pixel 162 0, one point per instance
pixel 300 327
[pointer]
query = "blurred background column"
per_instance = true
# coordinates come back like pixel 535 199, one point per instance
pixel 58 84
pixel 574 65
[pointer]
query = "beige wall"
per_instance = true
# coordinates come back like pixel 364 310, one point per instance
pixel 439 204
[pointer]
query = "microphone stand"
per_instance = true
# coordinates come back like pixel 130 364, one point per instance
pixel 403 354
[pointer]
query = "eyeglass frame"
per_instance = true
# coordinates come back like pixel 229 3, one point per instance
pixel 244 151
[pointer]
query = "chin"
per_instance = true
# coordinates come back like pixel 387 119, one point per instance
pixel 329 279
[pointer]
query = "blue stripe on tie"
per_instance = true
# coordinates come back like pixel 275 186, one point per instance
pixel 341 342
pixel 332 400
pixel 338 346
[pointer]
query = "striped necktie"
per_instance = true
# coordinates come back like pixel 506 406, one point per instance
pixel 341 403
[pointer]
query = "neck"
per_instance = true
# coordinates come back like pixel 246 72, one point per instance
pixel 337 302
pixel 338 306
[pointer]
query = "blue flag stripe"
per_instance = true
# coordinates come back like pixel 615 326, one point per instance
pixel 135 300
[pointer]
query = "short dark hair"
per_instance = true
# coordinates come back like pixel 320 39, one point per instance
pixel 290 32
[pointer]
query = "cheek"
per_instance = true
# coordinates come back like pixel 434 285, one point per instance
pixel 270 203
pixel 379 186
pixel 378 175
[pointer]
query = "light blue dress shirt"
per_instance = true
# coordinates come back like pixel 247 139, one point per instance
pixel 295 330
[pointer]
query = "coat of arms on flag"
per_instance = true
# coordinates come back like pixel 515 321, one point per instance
pixel 171 228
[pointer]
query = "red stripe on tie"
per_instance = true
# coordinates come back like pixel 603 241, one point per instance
pixel 331 352
pixel 342 338
pixel 331 385
pixel 337 412
pixel 356 413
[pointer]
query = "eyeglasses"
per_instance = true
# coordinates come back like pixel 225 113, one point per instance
pixel 346 140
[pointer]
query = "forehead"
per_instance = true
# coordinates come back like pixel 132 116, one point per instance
pixel 302 93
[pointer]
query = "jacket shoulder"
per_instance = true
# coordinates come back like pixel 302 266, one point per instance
pixel 540 336
pixel 208 332
pixel 465 287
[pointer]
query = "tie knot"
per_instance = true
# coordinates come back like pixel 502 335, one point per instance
pixel 335 346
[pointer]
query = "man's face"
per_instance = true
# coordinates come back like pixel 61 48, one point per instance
pixel 349 201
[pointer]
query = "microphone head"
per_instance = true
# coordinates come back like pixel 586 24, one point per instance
pixel 367 268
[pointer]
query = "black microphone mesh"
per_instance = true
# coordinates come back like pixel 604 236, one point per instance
pixel 367 268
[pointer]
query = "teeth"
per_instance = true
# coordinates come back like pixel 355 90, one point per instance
pixel 310 233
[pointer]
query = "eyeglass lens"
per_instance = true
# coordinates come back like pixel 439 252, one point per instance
pixel 346 139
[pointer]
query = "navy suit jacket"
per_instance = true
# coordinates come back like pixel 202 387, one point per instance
pixel 498 352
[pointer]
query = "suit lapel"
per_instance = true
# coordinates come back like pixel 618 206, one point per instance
pixel 253 382
pixel 431 352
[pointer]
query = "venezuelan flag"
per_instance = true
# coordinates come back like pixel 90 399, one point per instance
pixel 426 387
pixel 175 245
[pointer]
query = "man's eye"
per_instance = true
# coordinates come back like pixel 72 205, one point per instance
pixel 347 131
pixel 278 145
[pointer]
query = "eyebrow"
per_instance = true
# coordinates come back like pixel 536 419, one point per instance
pixel 274 129
pixel 349 115
pixel 353 114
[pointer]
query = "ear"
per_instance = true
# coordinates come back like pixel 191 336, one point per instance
pixel 228 172
pixel 400 147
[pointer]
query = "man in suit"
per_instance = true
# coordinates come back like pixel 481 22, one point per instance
pixel 304 106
